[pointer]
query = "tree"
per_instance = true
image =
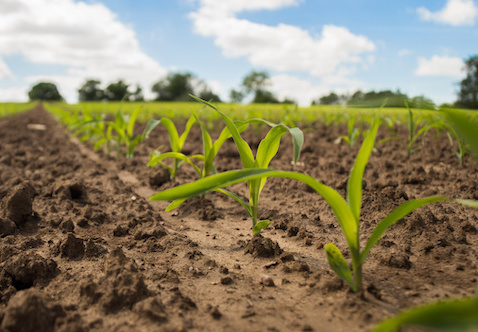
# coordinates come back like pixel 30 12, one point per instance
pixel 236 96
pixel 264 97
pixel 331 99
pixel 90 91
pixel 117 91
pixel 175 87
pixel 255 82
pixel 207 94
pixel 468 94
pixel 45 91
pixel 422 102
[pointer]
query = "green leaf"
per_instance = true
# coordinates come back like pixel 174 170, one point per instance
pixel 175 204
pixel 354 184
pixel 448 315
pixel 339 265
pixel 236 198
pixel 132 121
pixel 149 127
pixel 156 159
pixel 465 127
pixel 341 210
pixel 173 134
pixel 244 149
pixel 260 226
pixel 187 129
pixel 119 131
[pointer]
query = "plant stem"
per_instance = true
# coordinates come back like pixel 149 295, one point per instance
pixel 357 267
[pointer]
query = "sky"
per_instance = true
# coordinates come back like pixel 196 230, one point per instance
pixel 309 47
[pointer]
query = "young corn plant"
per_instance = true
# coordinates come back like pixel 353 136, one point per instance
pixel 466 128
pixel 123 126
pixel 347 211
pixel 266 150
pixel 353 133
pixel 176 143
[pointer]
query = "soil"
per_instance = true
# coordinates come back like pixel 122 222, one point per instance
pixel 82 248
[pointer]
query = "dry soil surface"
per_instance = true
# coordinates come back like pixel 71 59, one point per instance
pixel 82 248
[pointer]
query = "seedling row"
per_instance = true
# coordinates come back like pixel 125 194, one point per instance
pixel 117 134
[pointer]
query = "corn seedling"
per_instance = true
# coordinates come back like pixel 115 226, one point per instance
pixel 123 126
pixel 352 133
pixel 466 127
pixel 267 149
pixel 448 315
pixel 347 212
pixel 176 143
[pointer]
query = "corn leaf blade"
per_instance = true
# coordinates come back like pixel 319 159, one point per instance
pixel 245 151
pixel 340 208
pixel 354 184
pixel 339 265
pixel 448 315
pixel 397 214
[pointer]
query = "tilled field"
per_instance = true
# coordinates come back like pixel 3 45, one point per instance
pixel 82 249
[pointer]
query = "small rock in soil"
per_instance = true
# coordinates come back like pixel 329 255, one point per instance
pixel 72 248
pixel 17 204
pixel 259 246
pixel 227 281
pixel 267 281
pixel 29 268
pixel 27 311
pixel 152 309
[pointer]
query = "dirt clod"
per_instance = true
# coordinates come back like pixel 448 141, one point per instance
pixel 72 247
pixel 259 246
pixel 28 269
pixel 27 311
pixel 17 204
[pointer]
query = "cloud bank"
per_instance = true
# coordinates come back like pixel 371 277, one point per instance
pixel 455 13
pixel 86 38
pixel 284 48
pixel 440 66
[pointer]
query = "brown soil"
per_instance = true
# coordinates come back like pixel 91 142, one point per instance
pixel 82 249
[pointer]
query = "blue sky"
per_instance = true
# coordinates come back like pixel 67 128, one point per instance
pixel 309 47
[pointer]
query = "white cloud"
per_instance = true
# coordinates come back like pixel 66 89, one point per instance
pixel 303 91
pixel 87 38
pixel 283 47
pixel 455 12
pixel 14 95
pixel 4 70
pixel 440 66
pixel 230 7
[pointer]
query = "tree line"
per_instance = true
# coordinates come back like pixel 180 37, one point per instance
pixel 177 86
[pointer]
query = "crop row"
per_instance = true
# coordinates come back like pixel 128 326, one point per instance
pixel 458 126
pixel 7 109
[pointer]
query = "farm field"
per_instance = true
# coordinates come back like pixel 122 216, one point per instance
pixel 83 248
